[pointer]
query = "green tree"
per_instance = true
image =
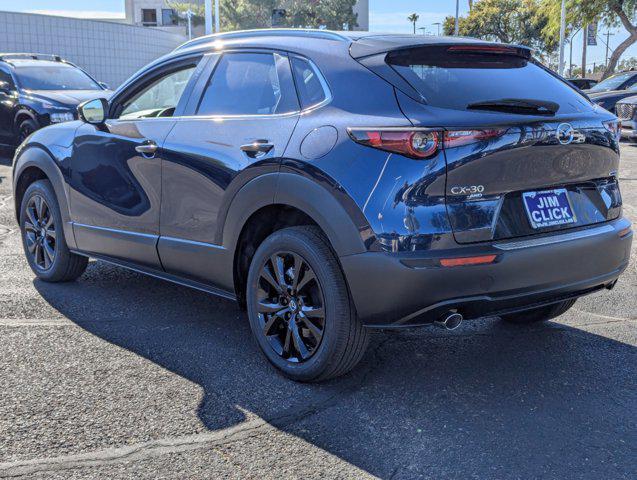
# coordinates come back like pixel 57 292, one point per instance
pixel 612 13
pixel 247 14
pixel 413 18
pixel 628 64
pixel 508 21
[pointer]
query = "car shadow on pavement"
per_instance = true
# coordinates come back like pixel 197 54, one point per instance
pixel 482 402
pixel 6 156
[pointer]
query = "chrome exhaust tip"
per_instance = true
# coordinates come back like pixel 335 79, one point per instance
pixel 449 321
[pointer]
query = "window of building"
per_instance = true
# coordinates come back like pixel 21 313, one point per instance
pixel 168 16
pixel 149 17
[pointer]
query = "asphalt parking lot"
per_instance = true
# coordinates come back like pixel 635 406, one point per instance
pixel 119 375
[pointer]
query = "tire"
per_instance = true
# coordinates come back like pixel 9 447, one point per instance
pixel 332 343
pixel 42 233
pixel 541 314
pixel 25 128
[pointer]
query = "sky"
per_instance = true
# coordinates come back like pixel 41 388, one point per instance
pixel 385 16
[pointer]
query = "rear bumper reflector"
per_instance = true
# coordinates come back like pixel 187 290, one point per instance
pixel 458 262
pixel 626 231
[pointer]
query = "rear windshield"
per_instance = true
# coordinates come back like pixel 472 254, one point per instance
pixel 457 79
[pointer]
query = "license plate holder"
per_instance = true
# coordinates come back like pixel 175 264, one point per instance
pixel 549 208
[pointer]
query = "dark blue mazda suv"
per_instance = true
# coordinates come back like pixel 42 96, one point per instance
pixel 333 183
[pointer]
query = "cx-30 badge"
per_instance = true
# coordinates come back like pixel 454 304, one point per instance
pixel 565 133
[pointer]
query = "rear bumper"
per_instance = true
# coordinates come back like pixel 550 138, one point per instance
pixel 391 290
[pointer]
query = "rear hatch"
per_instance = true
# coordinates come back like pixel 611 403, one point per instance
pixel 526 153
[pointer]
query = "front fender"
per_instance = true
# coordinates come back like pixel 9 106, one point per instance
pixel 36 157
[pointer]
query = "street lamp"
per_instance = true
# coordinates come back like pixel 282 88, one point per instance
pixel 424 30
pixel 438 24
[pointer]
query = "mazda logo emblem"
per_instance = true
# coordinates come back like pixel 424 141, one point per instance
pixel 565 133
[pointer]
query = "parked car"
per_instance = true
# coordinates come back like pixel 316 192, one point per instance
pixel 626 110
pixel 583 83
pixel 38 90
pixel 334 183
pixel 618 81
pixel 608 100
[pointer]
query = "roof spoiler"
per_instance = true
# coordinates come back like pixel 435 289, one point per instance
pixel 368 46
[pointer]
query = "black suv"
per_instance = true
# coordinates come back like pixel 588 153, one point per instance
pixel 334 183
pixel 37 90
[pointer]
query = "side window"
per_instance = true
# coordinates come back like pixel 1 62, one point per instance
pixel 309 83
pixel 249 84
pixel 6 82
pixel 160 98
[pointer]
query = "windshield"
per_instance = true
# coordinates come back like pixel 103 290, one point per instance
pixel 611 83
pixel 56 77
pixel 460 80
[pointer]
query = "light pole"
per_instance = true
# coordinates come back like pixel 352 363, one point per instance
pixel 570 55
pixel 438 24
pixel 562 34
pixel 608 34
pixel 424 30
pixel 217 19
pixel 455 26
pixel 189 15
pixel 208 16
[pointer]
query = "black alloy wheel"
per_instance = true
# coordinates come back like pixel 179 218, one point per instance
pixel 43 237
pixel 40 233
pixel 290 306
pixel 26 128
pixel 299 307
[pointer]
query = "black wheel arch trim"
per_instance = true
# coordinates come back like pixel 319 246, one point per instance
pixel 33 156
pixel 296 191
pixel 24 112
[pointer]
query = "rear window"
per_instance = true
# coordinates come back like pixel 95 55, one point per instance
pixel 456 79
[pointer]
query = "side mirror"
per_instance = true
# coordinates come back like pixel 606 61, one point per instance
pixel 103 85
pixel 93 111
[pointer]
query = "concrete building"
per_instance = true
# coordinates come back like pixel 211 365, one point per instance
pixel 158 14
pixel 110 51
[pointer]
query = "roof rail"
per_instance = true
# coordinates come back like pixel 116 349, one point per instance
pixel 266 32
pixel 30 56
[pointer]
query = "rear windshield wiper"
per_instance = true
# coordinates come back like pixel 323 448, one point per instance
pixel 519 106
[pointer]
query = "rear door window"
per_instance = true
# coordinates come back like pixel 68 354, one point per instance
pixel 456 79
pixel 311 87
pixel 250 84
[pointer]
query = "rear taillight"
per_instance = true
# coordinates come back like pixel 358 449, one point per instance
pixel 413 143
pixel 420 143
pixel 458 138
pixel 614 127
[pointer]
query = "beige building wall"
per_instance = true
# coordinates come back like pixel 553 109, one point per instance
pixel 110 51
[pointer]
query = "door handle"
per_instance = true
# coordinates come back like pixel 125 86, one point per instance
pixel 257 149
pixel 148 148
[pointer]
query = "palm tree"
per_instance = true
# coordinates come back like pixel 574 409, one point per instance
pixel 413 18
